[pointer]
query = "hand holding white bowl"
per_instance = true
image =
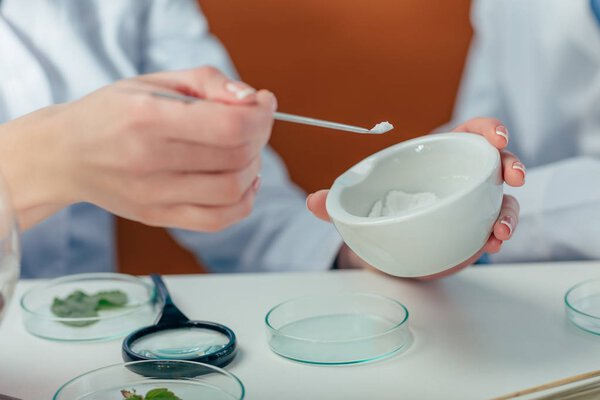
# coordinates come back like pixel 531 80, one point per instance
pixel 421 243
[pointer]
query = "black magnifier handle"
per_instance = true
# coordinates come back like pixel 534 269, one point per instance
pixel 170 315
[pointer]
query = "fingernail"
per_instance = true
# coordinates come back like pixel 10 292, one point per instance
pixel 520 167
pixel 307 200
pixel 508 221
pixel 239 90
pixel 502 131
pixel 275 105
pixel 256 183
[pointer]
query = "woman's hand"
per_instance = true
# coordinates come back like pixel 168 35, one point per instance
pixel 155 160
pixel 514 175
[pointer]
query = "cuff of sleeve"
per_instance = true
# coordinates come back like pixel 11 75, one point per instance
pixel 484 259
pixel 313 246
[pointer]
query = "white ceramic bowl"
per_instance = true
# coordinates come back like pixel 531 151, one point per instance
pixel 463 170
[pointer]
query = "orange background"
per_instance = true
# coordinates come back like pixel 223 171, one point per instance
pixel 356 62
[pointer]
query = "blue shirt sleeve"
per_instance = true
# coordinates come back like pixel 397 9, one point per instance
pixel 596 9
pixel 280 234
pixel 484 259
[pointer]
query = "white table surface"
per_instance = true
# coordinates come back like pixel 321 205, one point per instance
pixel 484 332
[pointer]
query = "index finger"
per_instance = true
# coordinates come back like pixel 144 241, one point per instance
pixel 218 124
pixel 207 83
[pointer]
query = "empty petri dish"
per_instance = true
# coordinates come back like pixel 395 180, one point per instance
pixel 138 308
pixel 582 304
pixel 184 379
pixel 338 328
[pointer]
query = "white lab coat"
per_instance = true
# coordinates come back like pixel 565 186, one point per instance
pixel 53 51
pixel 535 64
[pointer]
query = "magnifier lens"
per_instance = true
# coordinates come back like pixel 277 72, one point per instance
pixel 180 343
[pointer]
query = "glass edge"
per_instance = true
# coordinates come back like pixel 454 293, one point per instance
pixel 571 306
pixel 131 278
pixel 273 330
pixel 124 365
pixel 400 349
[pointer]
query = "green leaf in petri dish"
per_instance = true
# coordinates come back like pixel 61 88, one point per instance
pixel 131 395
pixel 110 299
pixel 161 394
pixel 82 305
pixel 154 394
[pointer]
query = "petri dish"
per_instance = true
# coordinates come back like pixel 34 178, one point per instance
pixel 139 310
pixel 338 328
pixel 582 304
pixel 185 379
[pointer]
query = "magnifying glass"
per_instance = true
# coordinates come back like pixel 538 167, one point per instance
pixel 175 337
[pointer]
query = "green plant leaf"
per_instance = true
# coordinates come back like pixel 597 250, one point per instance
pixel 110 299
pixel 154 394
pixel 81 305
pixel 161 394
pixel 130 395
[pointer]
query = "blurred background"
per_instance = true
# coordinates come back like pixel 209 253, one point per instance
pixel 356 62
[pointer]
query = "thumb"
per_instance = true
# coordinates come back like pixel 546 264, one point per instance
pixel 315 202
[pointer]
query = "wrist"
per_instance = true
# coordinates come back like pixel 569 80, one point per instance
pixel 35 165
pixel 347 259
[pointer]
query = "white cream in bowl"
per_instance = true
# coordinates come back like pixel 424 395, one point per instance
pixel 397 202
